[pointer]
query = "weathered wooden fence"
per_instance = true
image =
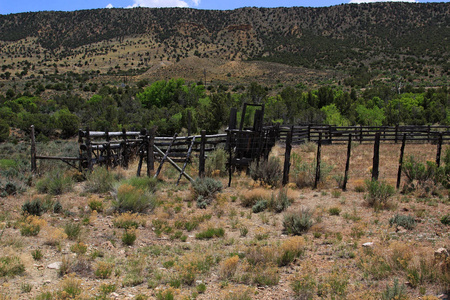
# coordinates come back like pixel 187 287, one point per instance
pixel 339 134
pixel 111 149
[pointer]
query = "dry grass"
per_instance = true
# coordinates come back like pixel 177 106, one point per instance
pixel 166 257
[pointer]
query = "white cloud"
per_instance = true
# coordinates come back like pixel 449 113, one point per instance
pixel 372 1
pixel 196 2
pixel 109 6
pixel 160 3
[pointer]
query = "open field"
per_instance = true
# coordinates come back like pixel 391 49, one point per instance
pixel 247 254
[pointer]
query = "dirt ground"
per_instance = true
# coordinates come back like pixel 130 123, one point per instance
pixel 335 250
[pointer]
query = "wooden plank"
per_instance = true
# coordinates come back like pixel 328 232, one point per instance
pixel 165 157
pixel 188 155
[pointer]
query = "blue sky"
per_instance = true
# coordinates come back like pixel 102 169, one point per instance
pixel 8 6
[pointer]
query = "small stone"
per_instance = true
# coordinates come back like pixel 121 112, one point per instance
pixel 368 244
pixel 55 265
pixel 115 295
pixel 48 281
pixel 198 282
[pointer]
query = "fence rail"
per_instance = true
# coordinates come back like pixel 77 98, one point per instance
pixel 339 134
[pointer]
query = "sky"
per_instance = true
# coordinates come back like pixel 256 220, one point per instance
pixel 18 6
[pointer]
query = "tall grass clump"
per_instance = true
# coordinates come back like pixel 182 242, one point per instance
pixel 204 190
pixel 99 181
pixel 280 202
pixel 378 194
pixel 11 266
pixel 55 183
pixel 135 200
pixel 144 183
pixel 298 222
pixel 216 163
pixel 304 173
pixel 268 172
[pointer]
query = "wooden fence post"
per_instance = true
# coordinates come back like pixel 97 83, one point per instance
pixel 125 149
pixel 319 146
pixel 80 152
pixel 360 134
pixel 400 161
pixel 330 133
pixel 230 157
pixel 347 163
pixel 309 133
pixel 150 155
pixel 89 150
pixel 396 133
pixel 33 151
pixel 141 151
pixel 287 157
pixel 376 156
pixel 108 150
pixel 439 150
pixel 201 167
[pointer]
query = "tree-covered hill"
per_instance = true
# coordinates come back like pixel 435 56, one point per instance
pixel 342 36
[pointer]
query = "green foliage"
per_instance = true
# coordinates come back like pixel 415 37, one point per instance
pixel 4 131
pixel 68 122
pixel 204 190
pixel 334 211
pixel 30 229
pixel 37 254
pixel 144 183
pixel 73 230
pixel 216 162
pixel 33 207
pixel 396 292
pixel 99 181
pixel 128 237
pixel 304 173
pixel 407 222
pixel 267 171
pixel 11 266
pixel 259 206
pixel 96 205
pixel 298 222
pixel 279 202
pixel 55 183
pixel 210 233
pixel 446 219
pixel 378 194
pixel 131 199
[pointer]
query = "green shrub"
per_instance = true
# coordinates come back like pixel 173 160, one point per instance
pixel 305 173
pixel 96 205
pixel 407 222
pixel 334 211
pixel 415 170
pixel 128 237
pixel 33 207
pixel 268 172
pixel 37 254
pixel 216 162
pixel 280 202
pixel 73 230
pixel 99 181
pixel 204 190
pixel 103 269
pixel 55 183
pixel 11 266
pixel 378 194
pixel 4 131
pixel 396 292
pixel 30 229
pixel 446 219
pixel 57 207
pixel 131 199
pixel 259 206
pixel 298 222
pixel 144 183
pixel 210 233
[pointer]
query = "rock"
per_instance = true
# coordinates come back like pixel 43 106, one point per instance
pixel 108 245
pixel 55 265
pixel 368 244
pixel 48 281
pixel 114 294
pixel 441 254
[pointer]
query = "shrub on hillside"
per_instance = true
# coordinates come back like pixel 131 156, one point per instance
pixel 216 162
pixel 99 181
pixel 267 171
pixel 131 199
pixel 378 194
pixel 204 190
pixel 298 222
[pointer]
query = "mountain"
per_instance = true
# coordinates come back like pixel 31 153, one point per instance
pixel 412 39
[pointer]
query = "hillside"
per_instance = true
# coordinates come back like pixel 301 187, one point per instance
pixel 360 39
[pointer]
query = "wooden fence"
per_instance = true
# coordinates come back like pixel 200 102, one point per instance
pixel 339 134
pixel 111 149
